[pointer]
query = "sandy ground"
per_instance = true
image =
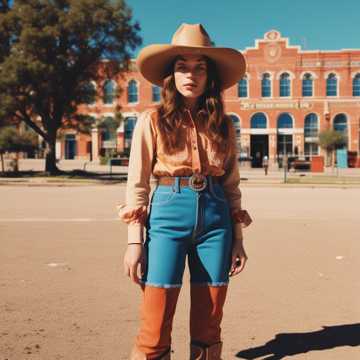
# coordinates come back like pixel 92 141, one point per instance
pixel 63 294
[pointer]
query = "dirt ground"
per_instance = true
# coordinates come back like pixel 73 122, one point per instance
pixel 63 294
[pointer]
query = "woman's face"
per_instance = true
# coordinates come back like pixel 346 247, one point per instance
pixel 190 72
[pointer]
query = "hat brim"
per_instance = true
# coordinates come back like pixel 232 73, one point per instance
pixel 153 62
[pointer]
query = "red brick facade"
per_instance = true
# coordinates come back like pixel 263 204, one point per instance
pixel 288 97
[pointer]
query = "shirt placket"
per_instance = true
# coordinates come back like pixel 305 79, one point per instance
pixel 196 163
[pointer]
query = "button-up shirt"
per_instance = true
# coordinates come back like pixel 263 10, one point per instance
pixel 149 158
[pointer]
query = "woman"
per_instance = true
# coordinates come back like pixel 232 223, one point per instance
pixel 188 145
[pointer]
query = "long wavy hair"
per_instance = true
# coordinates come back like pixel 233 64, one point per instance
pixel 213 118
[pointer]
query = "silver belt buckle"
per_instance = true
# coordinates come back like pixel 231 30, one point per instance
pixel 197 182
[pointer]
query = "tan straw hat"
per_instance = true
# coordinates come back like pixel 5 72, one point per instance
pixel 154 60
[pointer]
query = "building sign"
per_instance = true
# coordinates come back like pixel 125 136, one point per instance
pixel 288 105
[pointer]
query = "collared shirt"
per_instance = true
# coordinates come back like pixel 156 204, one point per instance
pixel 149 158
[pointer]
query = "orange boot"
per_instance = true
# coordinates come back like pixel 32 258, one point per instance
pixel 206 313
pixel 157 312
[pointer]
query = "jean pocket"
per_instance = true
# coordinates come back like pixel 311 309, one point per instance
pixel 162 197
pixel 217 192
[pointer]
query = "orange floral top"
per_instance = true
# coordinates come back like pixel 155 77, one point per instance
pixel 147 157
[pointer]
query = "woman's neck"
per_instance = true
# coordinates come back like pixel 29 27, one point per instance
pixel 192 105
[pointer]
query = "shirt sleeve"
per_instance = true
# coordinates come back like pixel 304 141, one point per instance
pixel 134 211
pixel 231 181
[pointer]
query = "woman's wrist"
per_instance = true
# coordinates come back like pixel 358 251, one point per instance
pixel 135 243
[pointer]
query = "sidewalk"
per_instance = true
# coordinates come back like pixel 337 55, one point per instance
pixel 336 177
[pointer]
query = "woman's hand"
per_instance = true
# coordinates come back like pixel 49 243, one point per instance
pixel 238 258
pixel 134 256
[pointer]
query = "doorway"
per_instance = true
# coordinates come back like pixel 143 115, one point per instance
pixel 259 147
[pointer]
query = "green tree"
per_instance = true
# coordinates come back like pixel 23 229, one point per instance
pixel 12 141
pixel 57 47
pixel 330 140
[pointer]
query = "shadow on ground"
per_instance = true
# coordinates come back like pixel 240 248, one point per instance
pixel 66 175
pixel 287 344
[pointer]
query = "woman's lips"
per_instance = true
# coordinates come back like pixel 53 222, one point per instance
pixel 191 86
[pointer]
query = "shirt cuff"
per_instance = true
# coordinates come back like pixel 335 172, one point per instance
pixel 132 214
pixel 241 216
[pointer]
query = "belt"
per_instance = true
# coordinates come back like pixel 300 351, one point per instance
pixel 196 181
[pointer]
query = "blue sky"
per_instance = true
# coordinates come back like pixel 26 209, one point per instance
pixel 313 24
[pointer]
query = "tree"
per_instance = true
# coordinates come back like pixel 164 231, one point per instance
pixel 56 48
pixel 14 142
pixel 330 140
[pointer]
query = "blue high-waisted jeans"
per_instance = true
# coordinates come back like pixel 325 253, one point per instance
pixel 183 222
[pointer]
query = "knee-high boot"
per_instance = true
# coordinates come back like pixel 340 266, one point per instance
pixel 153 340
pixel 206 314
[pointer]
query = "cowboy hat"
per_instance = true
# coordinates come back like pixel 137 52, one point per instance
pixel 154 60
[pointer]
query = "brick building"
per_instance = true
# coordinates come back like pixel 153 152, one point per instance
pixel 286 98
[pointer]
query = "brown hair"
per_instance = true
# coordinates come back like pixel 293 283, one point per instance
pixel 213 117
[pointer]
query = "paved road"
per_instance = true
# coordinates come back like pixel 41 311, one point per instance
pixel 63 294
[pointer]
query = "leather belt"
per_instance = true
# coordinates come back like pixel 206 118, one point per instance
pixel 196 181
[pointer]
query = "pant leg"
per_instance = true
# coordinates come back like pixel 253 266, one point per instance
pixel 157 313
pixel 209 265
pixel 169 225
pixel 206 313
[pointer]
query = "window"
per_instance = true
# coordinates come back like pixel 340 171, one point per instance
pixel 155 93
pixel 284 144
pixel 331 85
pixel 311 132
pixel 132 92
pixel 307 85
pixel 311 126
pixel 285 84
pixel 109 92
pixel 285 121
pixel 266 85
pixel 356 85
pixel 243 87
pixel 340 123
pixel 236 122
pixel 258 121
pixel 90 93
pixel 129 125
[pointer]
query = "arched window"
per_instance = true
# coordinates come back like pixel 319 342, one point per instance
pixel 311 125
pixel 311 133
pixel 340 123
pixel 132 91
pixel 284 139
pixel 109 92
pixel 243 87
pixel 129 125
pixel 90 93
pixel 285 121
pixel 356 85
pixel 266 85
pixel 155 93
pixel 236 122
pixel 331 85
pixel 307 85
pixel 285 84
pixel 258 121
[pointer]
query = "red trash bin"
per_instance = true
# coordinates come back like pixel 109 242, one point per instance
pixel 317 164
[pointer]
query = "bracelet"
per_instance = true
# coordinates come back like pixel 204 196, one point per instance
pixel 134 243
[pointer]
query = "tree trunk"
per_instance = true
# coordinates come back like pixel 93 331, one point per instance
pixel 50 155
pixel 2 163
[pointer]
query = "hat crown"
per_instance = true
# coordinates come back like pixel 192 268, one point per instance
pixel 191 35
